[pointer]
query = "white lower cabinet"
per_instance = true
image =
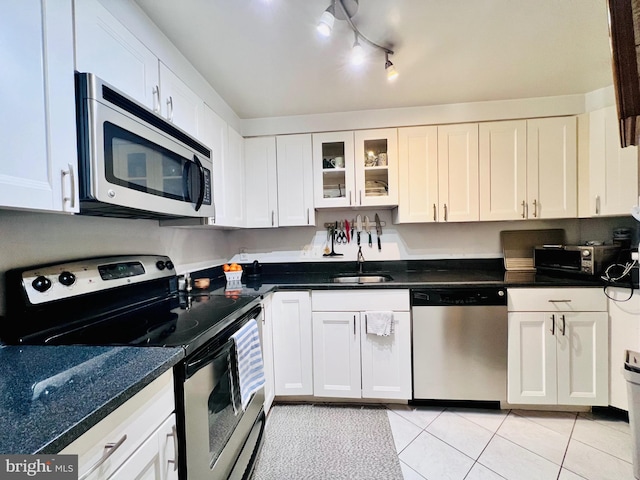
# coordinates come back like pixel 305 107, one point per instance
pixel 267 352
pixel 557 347
pixel 348 362
pixel 137 440
pixel 292 343
pixel 624 334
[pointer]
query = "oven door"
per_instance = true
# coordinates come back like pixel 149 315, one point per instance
pixel 126 162
pixel 219 441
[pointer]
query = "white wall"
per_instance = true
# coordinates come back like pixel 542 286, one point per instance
pixel 28 238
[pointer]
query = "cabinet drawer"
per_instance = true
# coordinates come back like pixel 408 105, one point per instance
pixel 556 299
pixel 138 418
pixel 358 300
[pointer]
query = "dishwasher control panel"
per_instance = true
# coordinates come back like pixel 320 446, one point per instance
pixel 463 296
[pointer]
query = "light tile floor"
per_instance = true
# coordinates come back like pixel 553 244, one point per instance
pixel 475 444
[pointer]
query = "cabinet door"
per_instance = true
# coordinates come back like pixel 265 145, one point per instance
pixel 295 180
pixel 178 103
pixel 267 352
pixel 583 358
pixel 458 173
pixel 624 335
pixel 234 179
pixel 376 167
pixel 261 182
pixel 613 171
pixel 386 361
pixel 417 175
pixel 333 169
pixel 531 363
pixel 292 343
pixel 552 180
pixel 503 170
pixel 103 46
pixel 336 354
pixel 38 123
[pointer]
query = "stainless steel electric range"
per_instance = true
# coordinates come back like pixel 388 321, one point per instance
pixel 134 301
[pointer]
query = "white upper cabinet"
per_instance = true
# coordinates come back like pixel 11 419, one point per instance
pixel 356 169
pixel 376 167
pixel 528 169
pixel 503 170
pixel 234 180
pixel 38 122
pixel 552 169
pixel 295 180
pixel 261 182
pixel 106 48
pixel 216 137
pixel 458 173
pixel 179 104
pixel 610 185
pixel 417 175
pixel 334 169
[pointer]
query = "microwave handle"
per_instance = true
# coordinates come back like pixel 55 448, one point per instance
pixel 201 181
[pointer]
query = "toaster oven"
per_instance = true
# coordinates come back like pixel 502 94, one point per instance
pixel 582 259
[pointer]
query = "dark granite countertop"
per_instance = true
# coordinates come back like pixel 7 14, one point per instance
pixel 52 395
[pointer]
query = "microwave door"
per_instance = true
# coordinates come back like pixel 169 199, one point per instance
pixel 136 166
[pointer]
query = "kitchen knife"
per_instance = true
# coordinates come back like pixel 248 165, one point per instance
pixel 358 227
pixel 367 228
pixel 378 232
pixel 347 227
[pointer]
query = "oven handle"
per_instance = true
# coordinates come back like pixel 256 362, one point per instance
pixel 197 363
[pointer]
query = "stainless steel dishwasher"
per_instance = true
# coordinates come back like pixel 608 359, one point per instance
pixel 460 345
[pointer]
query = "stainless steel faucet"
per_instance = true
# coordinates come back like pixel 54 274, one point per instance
pixel 360 260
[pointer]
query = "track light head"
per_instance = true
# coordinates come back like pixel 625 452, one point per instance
pixel 325 24
pixel 357 52
pixel 390 68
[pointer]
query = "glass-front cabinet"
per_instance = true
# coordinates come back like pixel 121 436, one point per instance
pixel 356 168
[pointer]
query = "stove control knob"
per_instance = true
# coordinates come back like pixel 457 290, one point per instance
pixel 169 265
pixel 160 265
pixel 67 279
pixel 41 284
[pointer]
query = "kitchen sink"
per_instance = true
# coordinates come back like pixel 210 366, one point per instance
pixel 362 278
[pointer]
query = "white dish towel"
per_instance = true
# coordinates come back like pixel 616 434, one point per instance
pixel 250 368
pixel 379 323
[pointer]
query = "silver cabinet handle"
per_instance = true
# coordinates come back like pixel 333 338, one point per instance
pixel 156 98
pixel 360 197
pixel 564 325
pixel 553 325
pixel 175 448
pixel 354 324
pixel 273 218
pixel 597 204
pixel 72 184
pixel 170 107
pixel 109 450
pixel 535 208
pixel 308 217
pixel 559 301
pixel 446 213
pixel 350 198
pixel 524 213
pixel 435 213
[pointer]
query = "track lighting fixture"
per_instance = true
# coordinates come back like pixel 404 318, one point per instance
pixel 325 25
pixel 390 68
pixel 357 52
pixel 344 10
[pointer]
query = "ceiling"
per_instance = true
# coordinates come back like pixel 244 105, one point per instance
pixel 266 59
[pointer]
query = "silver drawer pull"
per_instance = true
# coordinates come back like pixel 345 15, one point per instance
pixel 559 301
pixel 109 449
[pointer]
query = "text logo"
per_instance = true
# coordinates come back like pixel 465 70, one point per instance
pixel 50 467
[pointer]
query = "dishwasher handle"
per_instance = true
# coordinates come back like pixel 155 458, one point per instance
pixel 464 296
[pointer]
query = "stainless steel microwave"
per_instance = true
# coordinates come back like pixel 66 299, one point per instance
pixel 133 163
pixel 582 259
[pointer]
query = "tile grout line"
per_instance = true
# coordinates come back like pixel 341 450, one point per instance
pixel 575 420
pixel 485 447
